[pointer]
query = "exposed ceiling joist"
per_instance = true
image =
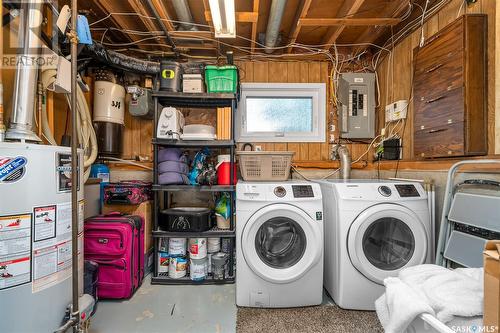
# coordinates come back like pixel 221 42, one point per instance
pixel 243 17
pixel 371 35
pixel 162 10
pixel 190 34
pixel 139 8
pixel 317 22
pixel 346 11
pixel 256 4
pixel 294 33
pixel 107 7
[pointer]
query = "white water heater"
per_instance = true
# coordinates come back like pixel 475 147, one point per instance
pixel 35 236
pixel 109 113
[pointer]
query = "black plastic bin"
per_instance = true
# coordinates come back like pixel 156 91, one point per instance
pixel 194 219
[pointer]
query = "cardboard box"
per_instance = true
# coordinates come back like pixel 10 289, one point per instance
pixel 492 285
pixel 145 210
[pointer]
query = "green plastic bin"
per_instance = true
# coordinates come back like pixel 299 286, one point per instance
pixel 223 79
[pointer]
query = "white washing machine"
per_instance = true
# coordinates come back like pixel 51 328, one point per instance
pixel 373 229
pixel 279 245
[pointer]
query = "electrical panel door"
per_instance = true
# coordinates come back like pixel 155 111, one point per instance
pixel 356 94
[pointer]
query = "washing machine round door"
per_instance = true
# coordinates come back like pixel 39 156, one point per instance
pixel 280 243
pixel 384 239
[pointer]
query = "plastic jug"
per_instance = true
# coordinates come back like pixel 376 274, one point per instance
pixel 224 170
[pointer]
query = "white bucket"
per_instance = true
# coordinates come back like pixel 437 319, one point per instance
pixel 163 262
pixel 198 269
pixel 197 248
pixel 177 247
pixel 177 267
pixel 213 245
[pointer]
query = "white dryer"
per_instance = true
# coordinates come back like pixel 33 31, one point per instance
pixel 279 247
pixel 373 229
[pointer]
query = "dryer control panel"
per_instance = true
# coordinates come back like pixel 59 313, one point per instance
pixel 407 190
pixel 302 191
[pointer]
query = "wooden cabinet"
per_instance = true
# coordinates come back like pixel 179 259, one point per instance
pixel 450 91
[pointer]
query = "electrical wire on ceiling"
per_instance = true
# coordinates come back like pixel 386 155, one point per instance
pixel 337 60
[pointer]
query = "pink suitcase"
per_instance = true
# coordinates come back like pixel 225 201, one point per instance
pixel 116 243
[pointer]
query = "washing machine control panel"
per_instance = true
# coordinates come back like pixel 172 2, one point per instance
pixel 279 191
pixel 385 190
pixel 407 190
pixel 302 191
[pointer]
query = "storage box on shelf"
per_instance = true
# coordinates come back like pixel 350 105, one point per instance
pixel 162 192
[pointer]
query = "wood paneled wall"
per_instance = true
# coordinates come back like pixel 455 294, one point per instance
pixel 395 71
pixel 138 132
pixel 291 72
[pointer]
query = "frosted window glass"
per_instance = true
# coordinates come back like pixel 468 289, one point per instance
pixel 287 114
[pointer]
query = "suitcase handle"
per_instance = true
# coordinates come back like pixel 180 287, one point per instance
pixel 119 198
pixel 114 214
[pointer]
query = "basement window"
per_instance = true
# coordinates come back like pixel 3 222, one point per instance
pixel 281 112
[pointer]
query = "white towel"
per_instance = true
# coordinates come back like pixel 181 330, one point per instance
pixel 399 306
pixel 430 289
pixel 449 292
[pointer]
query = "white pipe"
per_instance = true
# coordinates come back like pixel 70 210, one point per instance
pixel 86 133
pixel 274 23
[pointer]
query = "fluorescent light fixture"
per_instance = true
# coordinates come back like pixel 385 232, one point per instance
pixel 224 25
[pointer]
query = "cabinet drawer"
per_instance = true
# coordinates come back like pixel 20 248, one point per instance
pixel 439 109
pixel 440 45
pixel 441 75
pixel 442 141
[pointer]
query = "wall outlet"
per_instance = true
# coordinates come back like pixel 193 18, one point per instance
pixel 395 111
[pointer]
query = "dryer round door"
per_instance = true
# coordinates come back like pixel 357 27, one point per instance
pixel 280 243
pixel 384 239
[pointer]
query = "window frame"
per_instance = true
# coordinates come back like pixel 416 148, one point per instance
pixel 316 91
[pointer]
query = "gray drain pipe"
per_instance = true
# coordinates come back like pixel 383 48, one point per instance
pixel 274 23
pixel 25 82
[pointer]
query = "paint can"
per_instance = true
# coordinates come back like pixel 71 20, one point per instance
pixel 219 261
pixel 163 245
pixel 163 262
pixel 177 267
pixel 177 247
pixel 226 245
pixel 198 269
pixel 197 248
pixel 213 245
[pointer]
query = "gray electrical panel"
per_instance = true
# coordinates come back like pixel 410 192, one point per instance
pixel 356 94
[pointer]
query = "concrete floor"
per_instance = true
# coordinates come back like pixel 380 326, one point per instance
pixel 166 309
pixel 158 308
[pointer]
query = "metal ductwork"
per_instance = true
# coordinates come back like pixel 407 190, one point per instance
pixel 25 82
pixel 184 15
pixel 345 162
pixel 274 23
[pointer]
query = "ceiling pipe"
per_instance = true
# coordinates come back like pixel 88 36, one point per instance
pixel 184 15
pixel 273 24
pixel 25 82
pixel 159 20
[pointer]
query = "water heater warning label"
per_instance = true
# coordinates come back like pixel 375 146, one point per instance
pixel 15 250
